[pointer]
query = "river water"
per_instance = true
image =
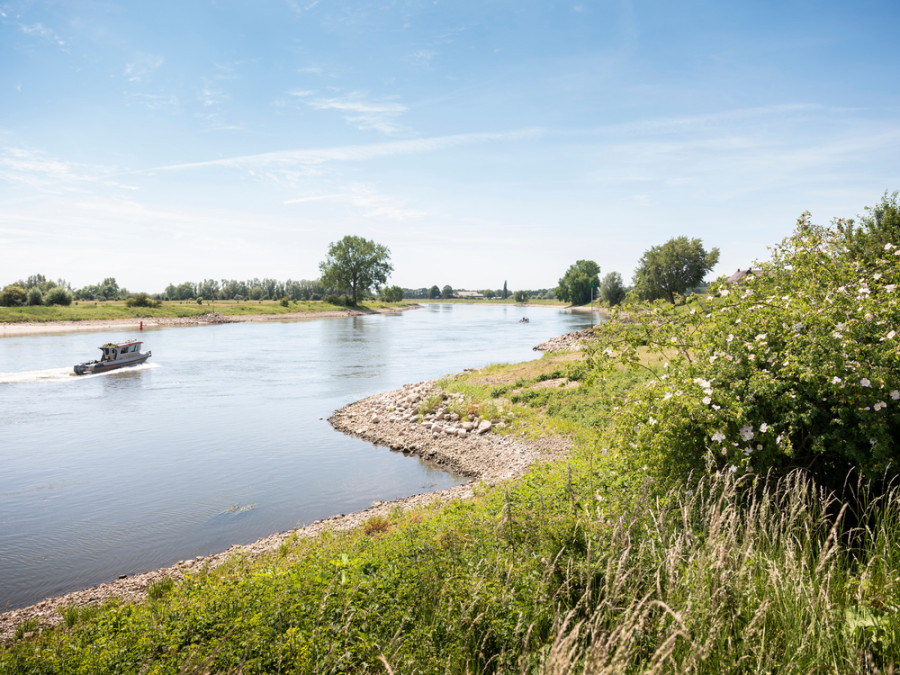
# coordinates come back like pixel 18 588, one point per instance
pixel 220 438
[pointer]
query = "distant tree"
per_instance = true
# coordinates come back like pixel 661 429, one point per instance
pixel 13 296
pixel 434 292
pixel 142 300
pixel 58 296
pixel 355 265
pixel 612 290
pixel 109 289
pixel 256 293
pixel 575 285
pixel 673 268
pixel 35 297
pixel 392 294
pixel 488 293
pixel 521 296
pixel 505 292
pixel 447 292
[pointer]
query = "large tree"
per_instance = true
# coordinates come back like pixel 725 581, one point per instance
pixel 673 268
pixel 354 265
pixel 612 290
pixel 575 286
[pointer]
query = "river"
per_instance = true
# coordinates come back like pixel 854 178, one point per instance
pixel 219 439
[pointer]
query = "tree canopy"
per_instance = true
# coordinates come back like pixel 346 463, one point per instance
pixel 612 290
pixel 575 285
pixel 673 268
pixel 354 265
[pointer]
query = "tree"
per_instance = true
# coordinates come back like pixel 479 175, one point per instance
pixel 447 292
pixel 505 292
pixel 612 290
pixel 575 285
pixel 109 289
pixel 392 294
pixel 354 265
pixel 434 292
pixel 673 268
pixel 880 226
pixel 58 296
pixel 521 296
pixel 35 297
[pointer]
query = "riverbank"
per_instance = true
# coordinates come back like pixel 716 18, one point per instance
pixel 11 329
pixel 468 447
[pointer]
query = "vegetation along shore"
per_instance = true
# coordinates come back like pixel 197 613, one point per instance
pixel 703 486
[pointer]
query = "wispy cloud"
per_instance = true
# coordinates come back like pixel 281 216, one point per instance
pixel 355 153
pixel 42 31
pixel 142 67
pixel 369 201
pixel 365 115
pixel 36 169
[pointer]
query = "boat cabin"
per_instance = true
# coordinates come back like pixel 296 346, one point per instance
pixel 112 351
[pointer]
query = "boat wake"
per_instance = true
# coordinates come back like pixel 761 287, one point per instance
pixel 65 374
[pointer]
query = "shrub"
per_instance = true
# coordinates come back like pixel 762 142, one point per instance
pixel 13 296
pixel 285 302
pixel 797 366
pixel 142 300
pixel 35 297
pixel 339 300
pixel 58 296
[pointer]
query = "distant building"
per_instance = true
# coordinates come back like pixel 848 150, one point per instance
pixel 740 275
pixel 469 295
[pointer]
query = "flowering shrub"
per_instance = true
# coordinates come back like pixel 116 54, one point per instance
pixel 794 366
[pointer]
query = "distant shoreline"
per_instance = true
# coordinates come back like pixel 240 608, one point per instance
pixel 13 329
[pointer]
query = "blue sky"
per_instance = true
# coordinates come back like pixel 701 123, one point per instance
pixel 482 142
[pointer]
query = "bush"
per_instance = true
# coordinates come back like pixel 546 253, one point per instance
pixel 797 366
pixel 35 297
pixel 285 302
pixel 142 300
pixel 58 296
pixel 339 300
pixel 13 296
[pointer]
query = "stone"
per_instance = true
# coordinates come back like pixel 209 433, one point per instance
pixel 484 427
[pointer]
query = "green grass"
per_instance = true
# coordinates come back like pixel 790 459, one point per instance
pixel 82 311
pixel 582 565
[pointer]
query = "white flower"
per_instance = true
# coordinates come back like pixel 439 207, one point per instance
pixel 761 336
pixel 868 316
pixel 878 406
pixel 651 421
pixel 724 292
pixel 729 338
pixel 888 246
pixel 763 428
pixel 890 336
pixel 746 432
pixel 890 288
pixel 718 437
pixel 707 400
pixel 674 339
pixel 667 396
pixel 865 382
pixel 703 383
pixel 732 468
pixel 895 394
pixel 835 380
pixel 876 276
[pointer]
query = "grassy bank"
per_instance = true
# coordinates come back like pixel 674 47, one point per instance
pixel 582 565
pixel 83 311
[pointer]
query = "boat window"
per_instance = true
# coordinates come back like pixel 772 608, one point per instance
pixel 135 348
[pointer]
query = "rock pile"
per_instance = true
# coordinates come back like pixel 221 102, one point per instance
pixel 570 342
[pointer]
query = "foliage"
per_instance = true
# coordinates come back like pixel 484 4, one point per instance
pixel 434 292
pixel 355 265
pixel 392 294
pixel 520 296
pixel 880 226
pixel 673 268
pixel 58 296
pixel 612 290
pixel 505 293
pixel 447 292
pixel 13 296
pixel 798 366
pixel 577 284
pixel 35 297
pixel 142 300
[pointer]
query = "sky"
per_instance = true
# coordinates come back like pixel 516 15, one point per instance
pixel 481 142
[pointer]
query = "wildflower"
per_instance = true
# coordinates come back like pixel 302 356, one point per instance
pixel 761 336
pixel 895 394
pixel 890 336
pixel 763 428
pixel 752 357
pixel 724 292
pixel 716 407
pixel 865 382
pixel 667 396
pixel 712 359
pixel 707 400
pixel 868 316
pixel 729 338
pixel 732 468
pixel 876 276
pixel 890 288
pixel 674 339
pixel 718 437
pixel 888 246
pixel 703 383
pixel 878 406
pixel 746 432
pixel 835 380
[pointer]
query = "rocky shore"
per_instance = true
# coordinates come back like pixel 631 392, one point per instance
pixel 570 342
pixel 418 419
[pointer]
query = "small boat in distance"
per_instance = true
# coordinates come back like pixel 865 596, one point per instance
pixel 115 355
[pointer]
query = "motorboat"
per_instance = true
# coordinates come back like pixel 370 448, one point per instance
pixel 115 355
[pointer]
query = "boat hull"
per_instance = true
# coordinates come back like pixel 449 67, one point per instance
pixel 103 366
